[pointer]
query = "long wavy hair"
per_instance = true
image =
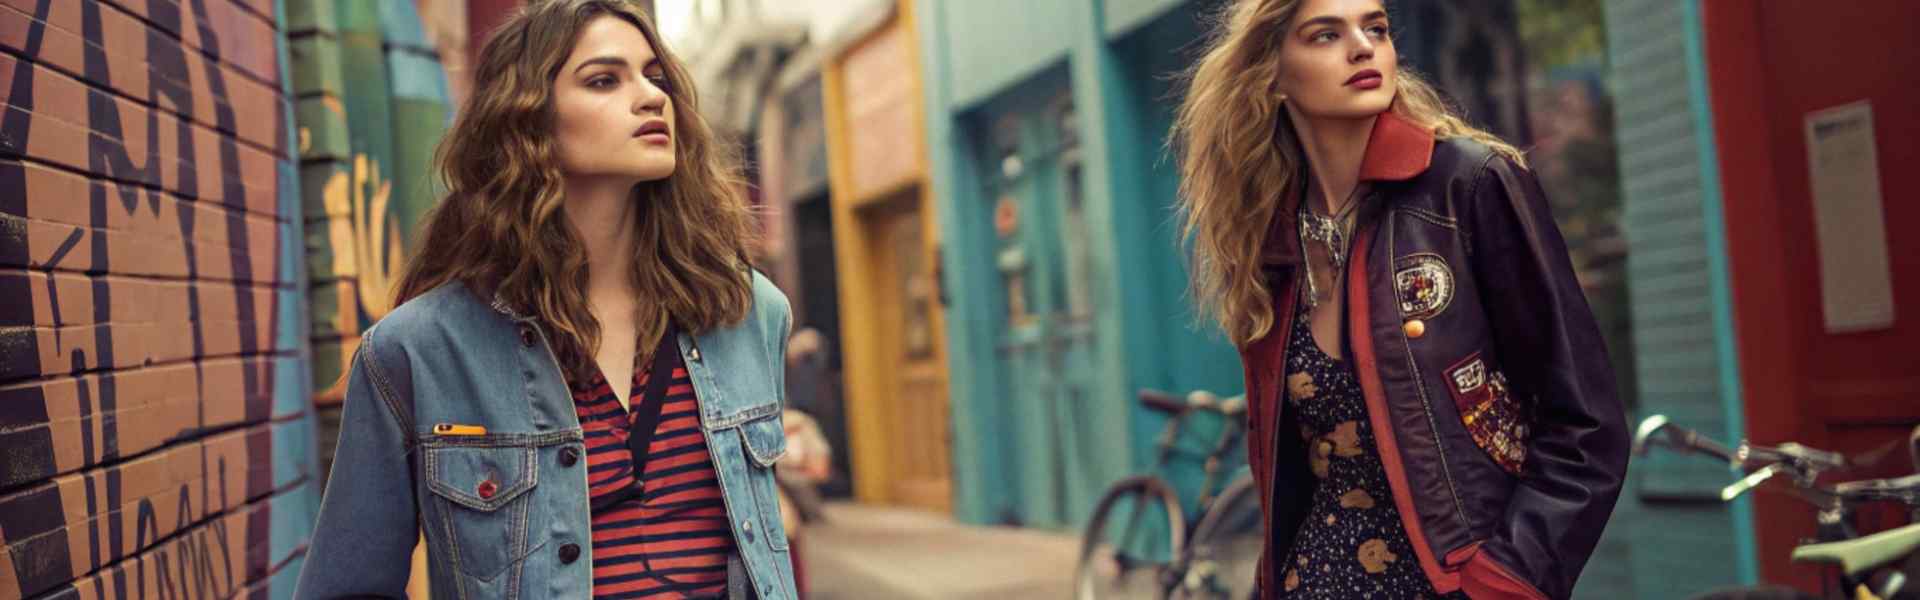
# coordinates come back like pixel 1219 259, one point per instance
pixel 501 228
pixel 1239 155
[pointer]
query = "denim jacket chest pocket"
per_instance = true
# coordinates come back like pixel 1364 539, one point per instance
pixel 480 502
pixel 765 439
pixel 747 443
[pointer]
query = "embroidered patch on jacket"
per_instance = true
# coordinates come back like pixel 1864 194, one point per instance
pixel 1423 283
pixel 1489 412
pixel 1470 377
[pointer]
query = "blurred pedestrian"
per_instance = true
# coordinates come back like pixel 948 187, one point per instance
pixel 1431 405
pixel 806 370
pixel 809 461
pixel 579 392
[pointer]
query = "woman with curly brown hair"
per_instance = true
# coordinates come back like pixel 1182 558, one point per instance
pixel 579 391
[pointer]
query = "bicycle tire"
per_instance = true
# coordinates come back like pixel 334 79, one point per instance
pixel 1223 556
pixel 1141 578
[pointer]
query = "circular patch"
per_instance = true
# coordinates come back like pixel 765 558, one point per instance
pixel 1423 283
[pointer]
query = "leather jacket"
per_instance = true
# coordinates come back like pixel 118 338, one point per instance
pixel 1487 383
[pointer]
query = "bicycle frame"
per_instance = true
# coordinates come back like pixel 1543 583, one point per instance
pixel 1167 443
pixel 1174 574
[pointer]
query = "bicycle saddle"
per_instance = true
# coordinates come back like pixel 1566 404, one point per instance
pixel 1863 554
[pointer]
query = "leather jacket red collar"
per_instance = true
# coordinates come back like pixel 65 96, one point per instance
pixel 1486 379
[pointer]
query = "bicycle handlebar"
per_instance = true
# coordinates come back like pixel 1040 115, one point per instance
pixel 1162 401
pixel 1804 457
pixel 1760 463
pixel 1899 489
pixel 1198 400
pixel 1658 430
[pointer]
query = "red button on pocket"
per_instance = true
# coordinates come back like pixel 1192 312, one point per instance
pixel 487 488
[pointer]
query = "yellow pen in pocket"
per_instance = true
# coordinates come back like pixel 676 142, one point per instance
pixel 452 429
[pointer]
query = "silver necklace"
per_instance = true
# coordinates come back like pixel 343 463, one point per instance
pixel 1330 232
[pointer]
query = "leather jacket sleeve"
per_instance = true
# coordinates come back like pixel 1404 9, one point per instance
pixel 363 542
pixel 1557 362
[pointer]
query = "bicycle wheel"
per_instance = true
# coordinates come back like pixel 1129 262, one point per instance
pixel 1130 545
pixel 1224 556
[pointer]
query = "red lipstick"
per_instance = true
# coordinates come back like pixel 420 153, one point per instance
pixel 1366 79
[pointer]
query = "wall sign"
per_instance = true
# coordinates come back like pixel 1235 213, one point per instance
pixel 1856 282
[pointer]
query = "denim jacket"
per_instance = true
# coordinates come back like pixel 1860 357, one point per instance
pixel 449 357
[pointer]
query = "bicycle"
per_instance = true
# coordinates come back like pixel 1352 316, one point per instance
pixel 1149 555
pixel 1876 566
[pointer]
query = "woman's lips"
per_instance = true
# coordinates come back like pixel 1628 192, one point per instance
pixel 653 132
pixel 1366 80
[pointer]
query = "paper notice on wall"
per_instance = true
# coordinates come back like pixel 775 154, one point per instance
pixel 1856 282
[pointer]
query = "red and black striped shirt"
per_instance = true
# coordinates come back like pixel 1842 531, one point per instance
pixel 672 539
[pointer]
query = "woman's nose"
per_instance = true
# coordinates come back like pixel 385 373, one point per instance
pixel 650 99
pixel 1362 50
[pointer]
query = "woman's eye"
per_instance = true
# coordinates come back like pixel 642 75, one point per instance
pixel 1378 31
pixel 1324 36
pixel 600 82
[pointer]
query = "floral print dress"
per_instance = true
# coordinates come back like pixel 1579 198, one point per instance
pixel 1352 544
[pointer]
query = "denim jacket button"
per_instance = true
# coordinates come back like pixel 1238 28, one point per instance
pixel 568 456
pixel 569 553
pixel 487 488
pixel 526 335
pixel 694 355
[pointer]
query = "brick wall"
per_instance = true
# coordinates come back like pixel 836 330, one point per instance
pixel 155 430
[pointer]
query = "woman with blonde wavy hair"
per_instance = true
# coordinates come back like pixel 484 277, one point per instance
pixel 1431 409
pixel 579 390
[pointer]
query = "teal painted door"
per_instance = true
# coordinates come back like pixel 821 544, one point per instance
pixel 1045 339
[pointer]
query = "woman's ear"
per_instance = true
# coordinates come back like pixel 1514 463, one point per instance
pixel 1280 90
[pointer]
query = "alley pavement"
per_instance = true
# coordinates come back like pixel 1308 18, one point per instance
pixel 867 552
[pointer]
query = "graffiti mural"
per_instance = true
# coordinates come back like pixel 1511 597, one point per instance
pixel 154 414
pixel 372 102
